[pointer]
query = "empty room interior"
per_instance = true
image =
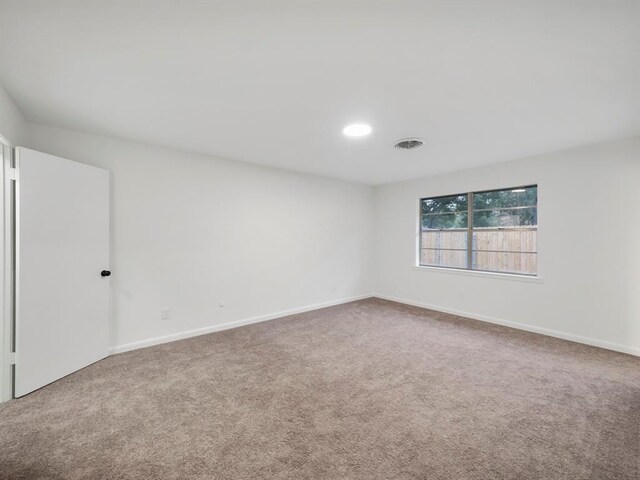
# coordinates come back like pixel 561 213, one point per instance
pixel 300 239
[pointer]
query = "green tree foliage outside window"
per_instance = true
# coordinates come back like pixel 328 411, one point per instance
pixel 506 208
pixel 496 209
pixel 443 213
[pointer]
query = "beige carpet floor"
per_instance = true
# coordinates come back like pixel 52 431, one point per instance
pixel 366 390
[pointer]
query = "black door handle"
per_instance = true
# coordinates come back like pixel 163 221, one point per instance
pixel 105 273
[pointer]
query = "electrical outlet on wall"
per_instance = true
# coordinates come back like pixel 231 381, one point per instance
pixel 461 294
pixel 165 313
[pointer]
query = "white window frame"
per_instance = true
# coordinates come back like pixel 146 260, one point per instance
pixel 468 271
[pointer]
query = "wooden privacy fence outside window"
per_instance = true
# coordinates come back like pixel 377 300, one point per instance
pixel 494 251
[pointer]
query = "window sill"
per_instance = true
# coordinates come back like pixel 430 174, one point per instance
pixel 477 273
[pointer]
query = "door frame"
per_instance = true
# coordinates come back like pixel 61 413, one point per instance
pixel 7 267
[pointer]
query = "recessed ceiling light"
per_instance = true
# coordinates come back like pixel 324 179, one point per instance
pixel 357 130
pixel 518 190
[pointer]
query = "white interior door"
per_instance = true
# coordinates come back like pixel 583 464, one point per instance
pixel 62 247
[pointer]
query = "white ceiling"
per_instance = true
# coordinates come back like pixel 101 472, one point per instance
pixel 274 82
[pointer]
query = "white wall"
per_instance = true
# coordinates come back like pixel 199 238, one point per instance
pixel 12 124
pixel 189 231
pixel 589 247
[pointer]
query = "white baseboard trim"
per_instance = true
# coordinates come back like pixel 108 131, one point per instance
pixel 229 325
pixel 519 326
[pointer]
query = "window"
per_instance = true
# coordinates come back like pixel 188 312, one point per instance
pixel 492 231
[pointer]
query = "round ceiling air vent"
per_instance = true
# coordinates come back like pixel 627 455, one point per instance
pixel 409 144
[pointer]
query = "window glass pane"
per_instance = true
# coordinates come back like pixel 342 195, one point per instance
pixel 506 218
pixel 444 239
pixel 444 258
pixel 453 203
pixel 505 262
pixel 508 198
pixel 504 231
pixel 445 221
pixel 515 240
